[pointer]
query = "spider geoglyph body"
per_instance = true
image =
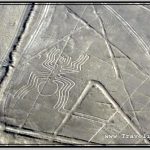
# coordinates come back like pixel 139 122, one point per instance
pixel 56 74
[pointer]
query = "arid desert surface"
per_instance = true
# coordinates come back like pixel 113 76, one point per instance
pixel 74 74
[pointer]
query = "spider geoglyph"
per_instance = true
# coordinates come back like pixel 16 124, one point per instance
pixel 57 77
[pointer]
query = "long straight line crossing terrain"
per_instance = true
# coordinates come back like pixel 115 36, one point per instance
pixel 74 74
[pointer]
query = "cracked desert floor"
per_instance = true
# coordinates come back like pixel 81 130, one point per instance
pixel 74 74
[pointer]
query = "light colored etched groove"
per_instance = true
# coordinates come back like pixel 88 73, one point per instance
pixel 141 110
pixel 57 42
pixel 78 102
pixel 64 91
pixel 65 60
pixel 50 94
pixel 141 6
pixel 32 83
pixel 51 58
pixel 15 58
pixel 140 41
pixel 15 55
pixel 65 96
pixel 29 86
pixel 85 116
pixel 132 62
pixel 68 60
pixel 115 65
pixel 105 104
pixel 60 92
pixel 131 104
pixel 109 48
pixel 135 90
pixel 29 80
pixel 36 32
pixel 111 43
pixel 32 107
pixel 98 85
pixel 73 109
pixel 34 35
pixel 76 65
pixel 60 40
pixel 103 61
pixel 67 84
pixel 46 136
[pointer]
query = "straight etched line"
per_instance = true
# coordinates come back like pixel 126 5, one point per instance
pixel 70 112
pixel 130 29
pixel 131 104
pixel 144 7
pixel 98 85
pixel 38 28
pixel 45 136
pixel 102 36
pixel 141 110
pixel 102 127
pixel 30 111
pixel 111 53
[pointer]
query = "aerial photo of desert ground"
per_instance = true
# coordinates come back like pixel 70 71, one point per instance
pixel 74 74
